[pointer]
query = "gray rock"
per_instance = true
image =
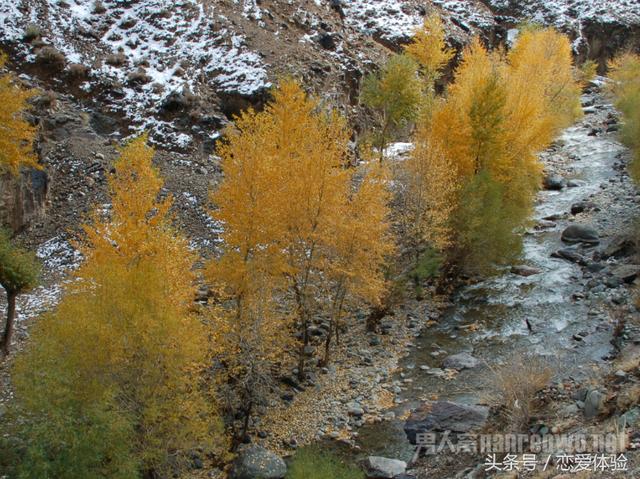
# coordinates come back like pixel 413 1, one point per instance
pixel 580 234
pixel 626 272
pixel 629 418
pixel 554 182
pixel 442 416
pixel 619 248
pixel 570 255
pixel 23 198
pixel 376 467
pixel 577 208
pixel 460 361
pixel 354 409
pixel 524 270
pixel 593 403
pixel 575 183
pixel 255 462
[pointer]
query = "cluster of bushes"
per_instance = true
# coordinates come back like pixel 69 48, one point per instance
pixel 625 77
pixel 125 379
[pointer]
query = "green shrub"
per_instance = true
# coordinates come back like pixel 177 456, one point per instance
pixel 313 463
pixel 91 443
pixel 625 73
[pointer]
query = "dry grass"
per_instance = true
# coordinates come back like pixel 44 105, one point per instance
pixel 78 71
pixel 51 57
pixel 115 59
pixel 514 387
pixel 31 32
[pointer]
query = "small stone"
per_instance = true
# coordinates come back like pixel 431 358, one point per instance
pixel 524 270
pixel 354 409
pixel 383 468
pixel 593 403
pixel 460 361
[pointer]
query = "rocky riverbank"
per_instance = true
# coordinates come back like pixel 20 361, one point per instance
pixel 571 304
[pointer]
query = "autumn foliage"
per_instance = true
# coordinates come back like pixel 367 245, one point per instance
pixel 475 164
pixel 16 134
pixel 127 378
pixel 118 365
pixel 303 236
pixel 625 76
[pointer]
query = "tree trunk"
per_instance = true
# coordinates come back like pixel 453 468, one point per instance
pixel 303 347
pixel 8 329
pixel 327 345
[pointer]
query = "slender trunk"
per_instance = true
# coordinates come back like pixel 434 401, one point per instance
pixel 245 424
pixel 8 330
pixel 383 142
pixel 327 344
pixel 303 347
pixel 332 324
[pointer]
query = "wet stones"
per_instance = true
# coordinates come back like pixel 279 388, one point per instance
pixel 440 416
pixel 580 234
pixel 626 273
pixel 619 248
pixel 554 182
pixel 524 270
pixel 570 255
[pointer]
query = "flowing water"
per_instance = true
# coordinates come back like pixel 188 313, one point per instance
pixel 499 306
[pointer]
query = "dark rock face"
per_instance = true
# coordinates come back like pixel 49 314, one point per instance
pixel 580 234
pixel 443 416
pixel 619 248
pixel 23 198
pixel 256 462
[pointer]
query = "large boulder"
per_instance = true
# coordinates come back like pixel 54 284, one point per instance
pixel 255 462
pixel 440 416
pixel 580 234
pixel 460 361
pixel 376 467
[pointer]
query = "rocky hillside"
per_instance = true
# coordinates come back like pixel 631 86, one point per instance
pixel 181 69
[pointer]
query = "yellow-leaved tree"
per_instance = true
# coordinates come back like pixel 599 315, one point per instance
pixel 480 145
pixel 116 371
pixel 293 236
pixel 361 247
pixel 16 134
pixel 394 96
pixel 625 86
pixel 251 334
pixel 428 48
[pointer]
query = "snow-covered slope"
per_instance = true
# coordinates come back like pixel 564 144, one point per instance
pixel 151 49
pixel 563 13
pixel 178 67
